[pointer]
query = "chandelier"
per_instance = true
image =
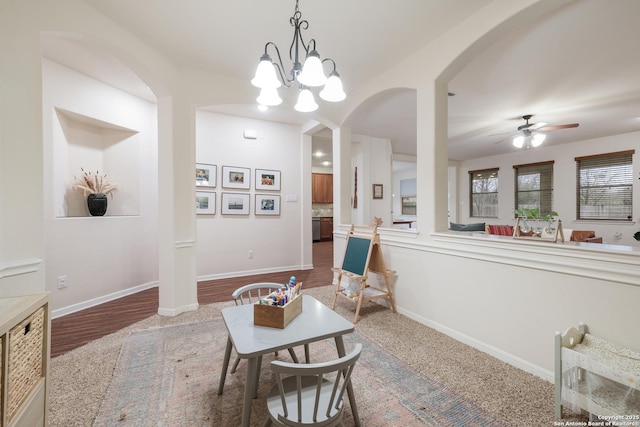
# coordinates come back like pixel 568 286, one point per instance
pixel 311 74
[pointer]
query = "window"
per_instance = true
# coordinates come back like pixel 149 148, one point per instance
pixel 604 186
pixel 408 196
pixel 534 187
pixel 484 193
pixel 409 206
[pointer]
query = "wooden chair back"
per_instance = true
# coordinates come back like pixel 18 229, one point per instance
pixel 310 394
pixel 249 294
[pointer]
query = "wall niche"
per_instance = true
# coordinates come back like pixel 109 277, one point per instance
pixel 84 142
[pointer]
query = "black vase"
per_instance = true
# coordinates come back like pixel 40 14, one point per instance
pixel 97 204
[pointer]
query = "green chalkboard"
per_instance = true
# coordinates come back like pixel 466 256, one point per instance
pixel 355 257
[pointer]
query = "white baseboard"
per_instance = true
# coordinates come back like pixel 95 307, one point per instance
pixel 167 312
pixel 179 310
pixel 485 348
pixel 101 300
pixel 255 272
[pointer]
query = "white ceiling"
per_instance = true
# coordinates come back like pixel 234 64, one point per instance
pixel 578 64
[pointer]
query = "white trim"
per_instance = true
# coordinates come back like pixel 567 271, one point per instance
pixel 179 310
pixel 15 268
pixel 181 244
pixel 490 350
pixel 254 272
pixel 615 263
pixel 167 312
pixel 101 300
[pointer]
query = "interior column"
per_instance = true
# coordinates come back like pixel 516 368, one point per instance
pixel 432 157
pixel 176 204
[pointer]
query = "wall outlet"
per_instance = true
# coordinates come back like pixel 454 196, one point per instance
pixel 62 282
pixel 250 254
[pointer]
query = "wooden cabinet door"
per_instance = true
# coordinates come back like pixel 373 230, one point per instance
pixel 326 228
pixel 322 188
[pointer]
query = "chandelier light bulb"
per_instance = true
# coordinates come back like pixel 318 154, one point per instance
pixel 269 97
pixel 538 139
pixel 518 141
pixel 306 103
pixel 266 74
pixel 312 73
pixel 332 90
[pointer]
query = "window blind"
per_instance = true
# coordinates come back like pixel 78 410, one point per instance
pixel 534 187
pixel 605 186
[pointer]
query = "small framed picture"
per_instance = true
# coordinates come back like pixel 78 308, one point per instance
pixel 267 180
pixel 235 204
pixel 267 204
pixel 377 191
pixel 234 177
pixel 205 203
pixel 206 175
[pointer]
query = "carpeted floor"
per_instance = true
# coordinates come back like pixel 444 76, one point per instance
pixel 500 393
pixel 168 376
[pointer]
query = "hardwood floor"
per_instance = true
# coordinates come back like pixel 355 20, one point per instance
pixel 76 329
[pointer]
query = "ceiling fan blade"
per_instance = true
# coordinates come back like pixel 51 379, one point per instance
pixel 537 126
pixel 556 127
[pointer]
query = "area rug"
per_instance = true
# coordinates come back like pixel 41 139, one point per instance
pixel 168 376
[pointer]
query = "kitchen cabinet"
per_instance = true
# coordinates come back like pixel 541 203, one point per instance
pixel 326 228
pixel 322 188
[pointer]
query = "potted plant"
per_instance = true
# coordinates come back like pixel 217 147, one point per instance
pixel 534 215
pixel 96 188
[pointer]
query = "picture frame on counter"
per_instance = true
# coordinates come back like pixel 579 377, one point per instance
pixel 205 203
pixel 267 180
pixel 235 204
pixel 206 175
pixel 267 204
pixel 236 177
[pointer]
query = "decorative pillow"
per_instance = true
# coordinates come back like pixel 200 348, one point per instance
pixel 479 226
pixel 501 230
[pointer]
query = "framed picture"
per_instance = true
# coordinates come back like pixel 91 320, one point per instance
pixel 205 203
pixel 235 204
pixel 377 191
pixel 206 175
pixel 267 180
pixel 267 204
pixel 233 177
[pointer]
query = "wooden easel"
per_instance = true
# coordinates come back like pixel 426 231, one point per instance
pixel 362 256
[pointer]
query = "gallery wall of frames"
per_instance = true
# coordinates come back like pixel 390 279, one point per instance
pixel 231 193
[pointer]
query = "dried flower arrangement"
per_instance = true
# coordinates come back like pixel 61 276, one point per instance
pixel 94 183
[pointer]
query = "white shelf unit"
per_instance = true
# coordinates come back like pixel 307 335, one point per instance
pixel 596 376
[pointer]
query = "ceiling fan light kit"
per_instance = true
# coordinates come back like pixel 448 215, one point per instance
pixel 529 140
pixel 311 74
pixel 529 134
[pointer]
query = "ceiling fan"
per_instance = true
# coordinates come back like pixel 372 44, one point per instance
pixel 528 134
